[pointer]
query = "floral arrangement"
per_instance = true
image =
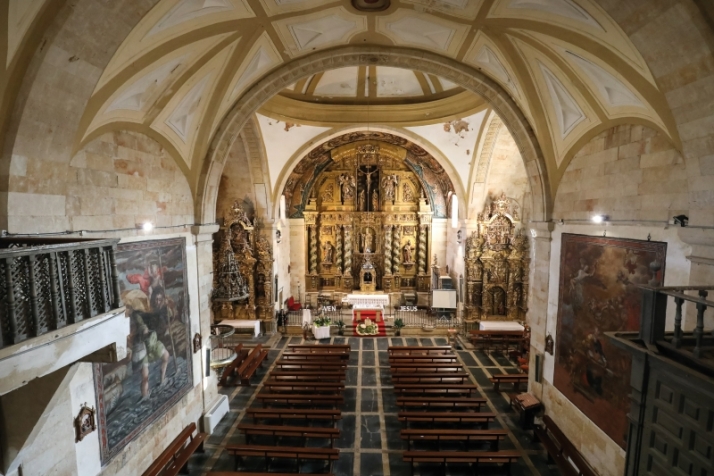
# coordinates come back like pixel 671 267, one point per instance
pixel 367 328
pixel 322 321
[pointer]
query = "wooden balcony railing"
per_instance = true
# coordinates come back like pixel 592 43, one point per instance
pixel 48 284
pixel 694 349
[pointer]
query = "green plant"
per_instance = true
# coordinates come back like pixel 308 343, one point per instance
pixel 398 323
pixel 322 321
pixel 340 324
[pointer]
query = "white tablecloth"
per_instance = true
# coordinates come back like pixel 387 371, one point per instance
pixel 362 299
pixel 500 326
pixel 241 323
pixel 306 317
pixel 321 332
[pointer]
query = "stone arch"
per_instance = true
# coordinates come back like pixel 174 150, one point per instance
pixel 465 76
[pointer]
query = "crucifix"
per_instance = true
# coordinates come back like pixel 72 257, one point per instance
pixel 368 173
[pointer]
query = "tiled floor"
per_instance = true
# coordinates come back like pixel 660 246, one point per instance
pixel 369 441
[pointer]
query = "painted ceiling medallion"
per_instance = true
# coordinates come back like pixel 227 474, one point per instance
pixel 371 5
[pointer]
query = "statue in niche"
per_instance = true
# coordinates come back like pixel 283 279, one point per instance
pixel 499 302
pixel 347 187
pixel 407 194
pixel 375 201
pixel 367 241
pixel 240 215
pixel 407 252
pixel 389 185
pixel 328 194
pixel 361 205
pixel 327 252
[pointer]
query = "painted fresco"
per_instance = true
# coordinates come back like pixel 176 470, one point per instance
pixel 157 372
pixel 597 295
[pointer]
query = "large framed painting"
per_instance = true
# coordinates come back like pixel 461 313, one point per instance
pixel 157 372
pixel 598 294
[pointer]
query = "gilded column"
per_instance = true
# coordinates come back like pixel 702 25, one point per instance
pixel 338 249
pixel 387 249
pixel 312 254
pixel 396 251
pixel 422 251
pixel 348 250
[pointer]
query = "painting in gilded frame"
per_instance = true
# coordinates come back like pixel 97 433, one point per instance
pixel 157 372
pixel 598 294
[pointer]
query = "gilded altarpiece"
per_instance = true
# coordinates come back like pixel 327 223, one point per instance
pixel 367 203
pixel 497 264
pixel 243 263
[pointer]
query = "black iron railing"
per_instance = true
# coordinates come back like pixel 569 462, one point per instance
pixel 48 284
pixel 694 348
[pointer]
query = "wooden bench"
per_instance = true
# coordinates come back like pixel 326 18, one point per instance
pixel 289 431
pixel 434 389
pixel 425 367
pixel 320 347
pixel 456 377
pixel 251 363
pixel 480 418
pixel 504 458
pixel 515 379
pixel 311 365
pixel 397 358
pixel 174 458
pixel 430 403
pixel 288 452
pixel 299 399
pixel 419 350
pixel 562 451
pixel 230 370
pixel 496 340
pixel 302 387
pixel 293 414
pixel 315 355
pixel 442 434
pixel 304 375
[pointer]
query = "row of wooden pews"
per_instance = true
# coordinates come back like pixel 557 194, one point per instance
pixel 438 404
pixel 307 387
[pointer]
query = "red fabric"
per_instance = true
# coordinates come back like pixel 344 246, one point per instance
pixel 292 305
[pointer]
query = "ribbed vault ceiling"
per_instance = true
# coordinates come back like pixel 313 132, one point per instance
pixel 568 66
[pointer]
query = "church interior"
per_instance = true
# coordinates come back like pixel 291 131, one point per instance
pixel 449 236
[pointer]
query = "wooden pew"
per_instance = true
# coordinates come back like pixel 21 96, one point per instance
pixel 455 377
pixel 300 399
pixel 274 386
pixel 247 369
pixel 289 431
pixel 320 347
pixel 419 350
pixel 297 453
pixel 496 340
pixel 425 367
pixel 315 375
pixel 479 418
pixel 315 355
pixel 515 379
pixel 230 370
pixel 446 434
pixel 430 403
pixel 311 365
pixel 434 389
pixel 504 458
pixel 293 414
pixel 174 458
pixel 562 451
pixel 398 358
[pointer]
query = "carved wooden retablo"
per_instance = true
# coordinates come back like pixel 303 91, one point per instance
pixel 497 264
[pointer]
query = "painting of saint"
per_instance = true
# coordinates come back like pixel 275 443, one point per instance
pixel 598 294
pixel 157 371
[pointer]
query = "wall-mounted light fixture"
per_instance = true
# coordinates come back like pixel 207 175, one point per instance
pixel 278 236
pixel 147 226
pixel 600 218
pixel 681 220
pixel 458 237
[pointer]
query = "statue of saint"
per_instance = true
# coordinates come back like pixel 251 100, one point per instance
pixel 375 201
pixel 327 252
pixel 361 205
pixel 347 186
pixel 407 252
pixel 367 241
pixel 407 194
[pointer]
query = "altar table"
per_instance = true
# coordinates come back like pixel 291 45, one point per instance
pixel 500 326
pixel 366 299
pixel 367 311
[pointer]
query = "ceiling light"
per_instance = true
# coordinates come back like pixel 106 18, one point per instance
pixel 147 226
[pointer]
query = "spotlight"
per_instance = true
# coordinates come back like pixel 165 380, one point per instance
pixel 681 220
pixel 600 218
pixel 147 226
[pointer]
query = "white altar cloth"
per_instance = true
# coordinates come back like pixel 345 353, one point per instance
pixel 500 326
pixel 366 299
pixel 242 323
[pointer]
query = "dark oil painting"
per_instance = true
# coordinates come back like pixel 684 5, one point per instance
pixel 598 294
pixel 134 392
